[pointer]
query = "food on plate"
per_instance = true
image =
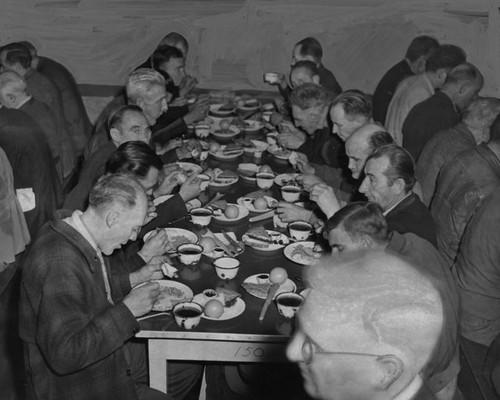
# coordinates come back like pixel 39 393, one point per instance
pixel 257 289
pixel 307 253
pixel 278 275
pixel 214 147
pixel 169 296
pixel 232 148
pixel 226 107
pixel 228 296
pixel 208 244
pixel 213 308
pixel 231 212
pixel 266 168
pixel 260 203
pixel 246 172
pixel 175 241
pixel 226 176
pixel 219 204
pixel 224 125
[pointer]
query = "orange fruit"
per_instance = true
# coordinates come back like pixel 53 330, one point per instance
pixel 278 275
pixel 208 244
pixel 260 203
pixel 231 212
pixel 225 124
pixel 213 308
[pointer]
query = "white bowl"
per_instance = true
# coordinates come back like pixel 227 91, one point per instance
pixel 226 267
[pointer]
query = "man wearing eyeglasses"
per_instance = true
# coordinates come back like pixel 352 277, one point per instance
pixel 367 329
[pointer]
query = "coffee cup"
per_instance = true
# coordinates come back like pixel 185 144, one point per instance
pixel 265 180
pixel 218 252
pixel 268 107
pixel 203 155
pixel 290 193
pixel 263 278
pixel 299 230
pixel 187 314
pixel 226 267
pixel 189 253
pixel 288 303
pixel 201 216
pixel 202 130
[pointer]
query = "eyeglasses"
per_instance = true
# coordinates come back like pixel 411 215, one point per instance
pixel 310 350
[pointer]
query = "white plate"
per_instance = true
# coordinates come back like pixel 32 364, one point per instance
pixel 166 303
pixel 215 110
pixel 229 312
pixel 297 258
pixel 230 133
pixel 288 286
pixel 281 179
pixel 272 247
pixel 242 201
pixel 221 156
pixel 224 182
pixel 190 168
pixel 249 108
pixel 175 234
pixel 222 218
pixel 278 153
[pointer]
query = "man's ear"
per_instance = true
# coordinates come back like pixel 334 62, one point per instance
pixel 112 218
pixel 399 185
pixel 391 368
pixel 366 241
pixel 115 135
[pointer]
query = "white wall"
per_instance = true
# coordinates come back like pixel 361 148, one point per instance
pixel 234 41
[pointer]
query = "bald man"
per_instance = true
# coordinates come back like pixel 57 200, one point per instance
pixel 357 329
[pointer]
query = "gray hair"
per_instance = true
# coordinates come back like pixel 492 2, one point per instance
pixel 140 82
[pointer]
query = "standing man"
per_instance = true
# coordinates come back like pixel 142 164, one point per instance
pixel 367 329
pixel 441 111
pixel 74 326
pixel 414 63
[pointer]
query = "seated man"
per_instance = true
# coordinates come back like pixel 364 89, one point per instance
pixel 73 107
pixel 441 110
pixel 310 49
pixel 349 111
pixel 418 88
pixel 362 226
pixel 76 330
pixel 389 180
pixel 464 182
pixel 447 144
pixel 13 94
pixel 17 58
pixel 126 124
pixel 417 54
pixel 304 72
pixel 367 329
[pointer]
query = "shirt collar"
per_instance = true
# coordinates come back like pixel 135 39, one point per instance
pixel 394 205
pixel 76 222
pixel 28 98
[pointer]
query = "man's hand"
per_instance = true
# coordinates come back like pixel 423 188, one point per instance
pixel 187 84
pixel 151 213
pixel 191 188
pixel 308 181
pixel 324 196
pixel 187 149
pixel 198 111
pixel 155 245
pixel 288 212
pixel 303 164
pixel 291 137
pixel 141 300
pixel 168 183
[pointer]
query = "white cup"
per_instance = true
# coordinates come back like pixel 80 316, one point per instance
pixel 288 303
pixel 226 267
pixel 187 314
pixel 201 216
pixel 202 130
pixel 290 193
pixel 265 180
pixel 189 253
pixel 300 230
pixel 266 116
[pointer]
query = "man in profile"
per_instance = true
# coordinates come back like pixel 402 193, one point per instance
pixel 416 55
pixel 349 111
pixel 367 329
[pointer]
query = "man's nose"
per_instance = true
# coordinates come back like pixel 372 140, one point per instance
pixel 294 348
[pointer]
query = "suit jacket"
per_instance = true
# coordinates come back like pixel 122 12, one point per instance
pixel 73 336
pixel 25 145
pixel 74 110
pixel 387 87
pixel 411 215
pixel 56 135
pixel 426 119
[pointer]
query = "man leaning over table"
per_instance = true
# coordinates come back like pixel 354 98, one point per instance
pixel 76 333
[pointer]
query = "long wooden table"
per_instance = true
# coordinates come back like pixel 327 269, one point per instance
pixel 242 339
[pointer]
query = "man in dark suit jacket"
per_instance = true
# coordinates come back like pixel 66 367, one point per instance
pixel 29 154
pixel 414 63
pixel 389 180
pixel 441 111
pixel 13 95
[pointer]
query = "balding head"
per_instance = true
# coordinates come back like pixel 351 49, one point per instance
pixel 12 89
pixel 361 143
pixel 479 116
pixel 362 314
